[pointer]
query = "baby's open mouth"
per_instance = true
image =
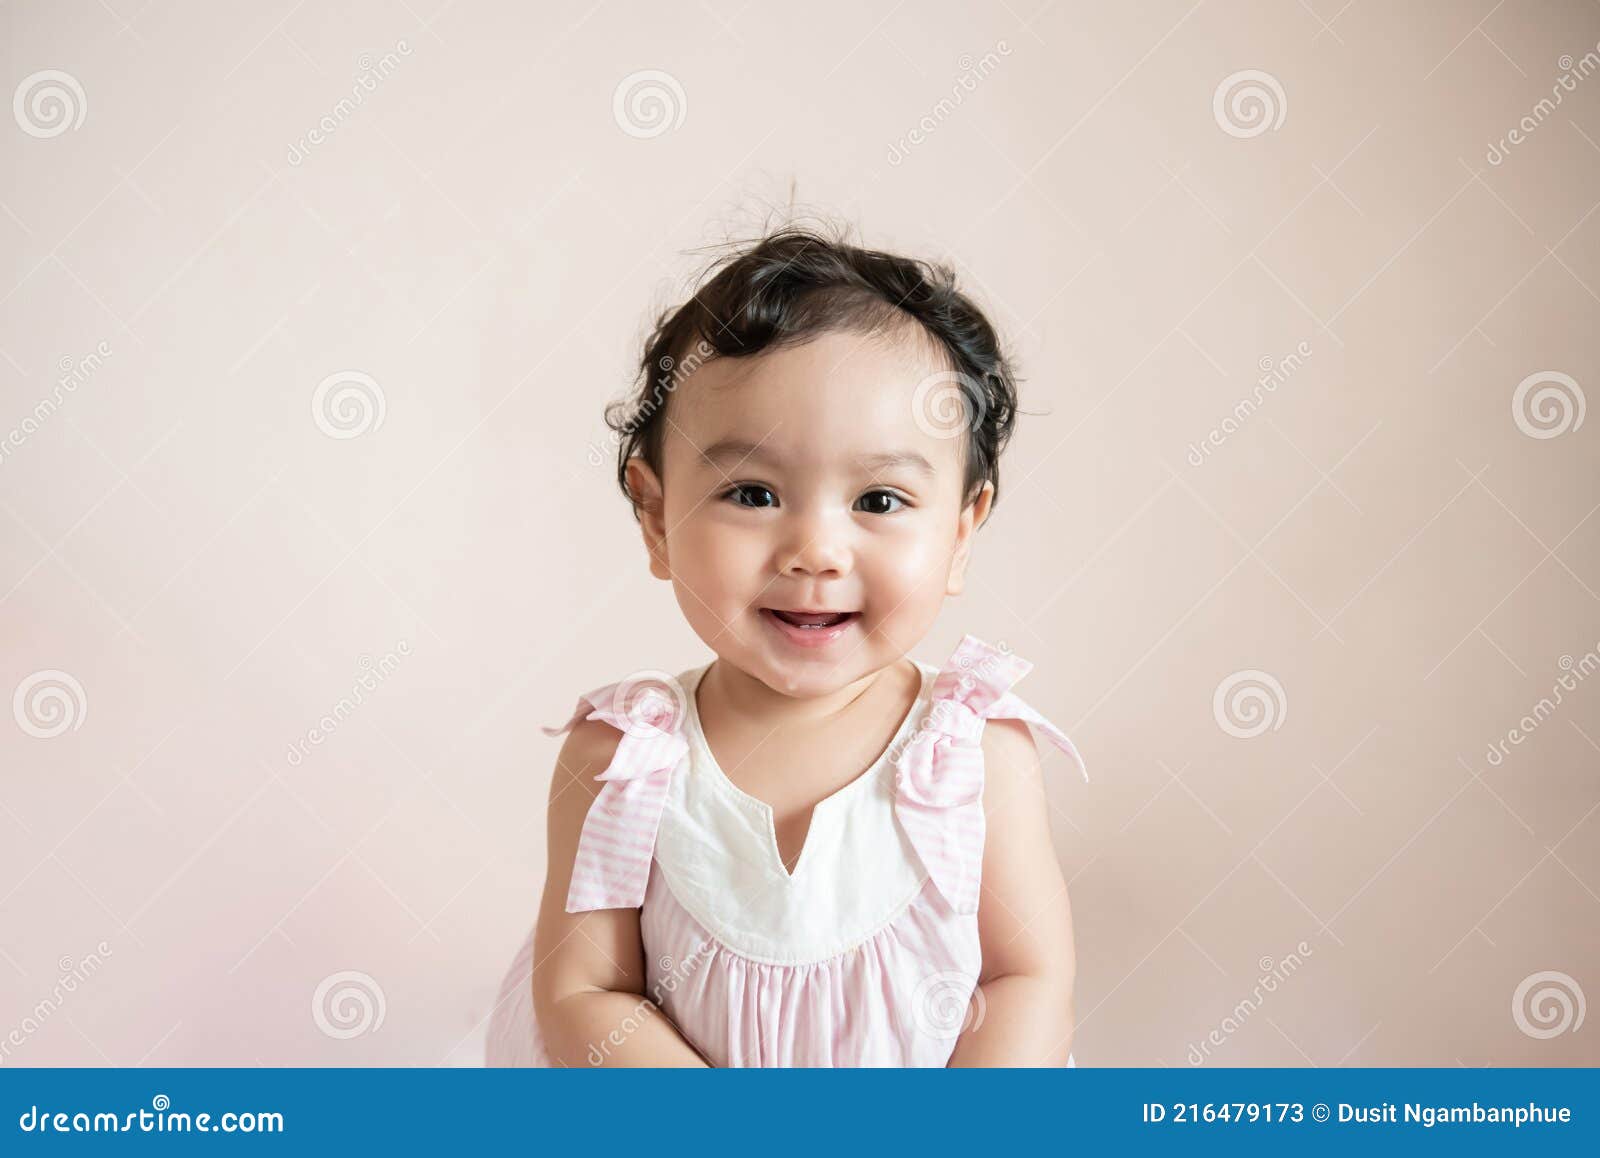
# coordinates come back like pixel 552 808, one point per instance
pixel 815 620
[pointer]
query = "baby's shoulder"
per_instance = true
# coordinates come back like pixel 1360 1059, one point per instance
pixel 1012 767
pixel 589 749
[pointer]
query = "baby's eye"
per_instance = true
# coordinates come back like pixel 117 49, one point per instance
pixel 880 502
pixel 752 495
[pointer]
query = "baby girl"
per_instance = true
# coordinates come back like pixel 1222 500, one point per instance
pixel 812 850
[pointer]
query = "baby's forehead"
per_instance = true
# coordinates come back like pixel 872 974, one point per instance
pixel 839 385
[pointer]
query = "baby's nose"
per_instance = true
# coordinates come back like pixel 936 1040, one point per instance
pixel 816 548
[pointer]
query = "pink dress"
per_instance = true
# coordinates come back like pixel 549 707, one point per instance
pixel 866 955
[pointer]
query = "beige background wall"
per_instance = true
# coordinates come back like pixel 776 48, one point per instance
pixel 1404 547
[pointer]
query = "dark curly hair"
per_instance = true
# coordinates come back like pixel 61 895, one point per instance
pixel 795 284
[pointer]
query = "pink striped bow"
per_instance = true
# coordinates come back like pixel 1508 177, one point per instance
pixel 612 866
pixel 939 790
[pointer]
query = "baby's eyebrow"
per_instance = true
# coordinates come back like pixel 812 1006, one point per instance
pixel 735 449
pixel 888 460
pixel 740 449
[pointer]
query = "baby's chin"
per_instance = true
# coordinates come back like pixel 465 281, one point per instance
pixel 794 681
pixel 809 673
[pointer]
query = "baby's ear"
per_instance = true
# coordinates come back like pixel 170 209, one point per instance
pixel 648 500
pixel 973 516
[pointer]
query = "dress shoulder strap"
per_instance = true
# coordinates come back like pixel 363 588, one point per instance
pixel 939 786
pixel 612 866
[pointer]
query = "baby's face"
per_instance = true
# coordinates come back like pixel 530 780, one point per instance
pixel 802 481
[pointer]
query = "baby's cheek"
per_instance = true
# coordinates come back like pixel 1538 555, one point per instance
pixel 911 579
pixel 715 561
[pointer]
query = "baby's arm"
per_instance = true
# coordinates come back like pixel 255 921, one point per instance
pixel 1024 918
pixel 589 972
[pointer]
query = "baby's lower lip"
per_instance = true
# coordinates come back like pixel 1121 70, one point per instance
pixel 809 636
